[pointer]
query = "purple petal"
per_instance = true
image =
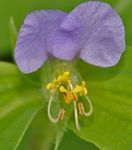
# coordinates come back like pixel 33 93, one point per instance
pixel 95 31
pixel 35 38
pixel 66 41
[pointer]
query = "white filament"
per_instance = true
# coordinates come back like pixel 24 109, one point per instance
pixel 75 112
pixel 90 108
pixel 52 119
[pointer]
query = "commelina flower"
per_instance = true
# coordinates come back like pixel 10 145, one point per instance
pixel 92 31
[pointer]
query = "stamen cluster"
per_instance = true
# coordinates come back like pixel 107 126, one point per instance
pixel 63 83
pixel 70 93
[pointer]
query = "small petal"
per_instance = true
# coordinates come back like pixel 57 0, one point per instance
pixel 35 37
pixel 65 45
pixel 66 41
pixel 95 31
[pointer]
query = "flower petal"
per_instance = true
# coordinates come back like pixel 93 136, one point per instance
pixel 65 44
pixel 95 31
pixel 35 37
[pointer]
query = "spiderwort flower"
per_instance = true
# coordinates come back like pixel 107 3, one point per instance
pixel 92 31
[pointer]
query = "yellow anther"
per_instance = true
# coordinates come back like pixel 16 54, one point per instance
pixel 84 90
pixel 60 78
pixel 52 86
pixel 81 89
pixel 64 77
pixel 63 90
pixel 48 86
pixel 77 89
pixel 66 74
pixel 68 95
pixel 57 82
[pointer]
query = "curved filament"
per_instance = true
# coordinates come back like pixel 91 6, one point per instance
pixel 60 114
pixel 82 110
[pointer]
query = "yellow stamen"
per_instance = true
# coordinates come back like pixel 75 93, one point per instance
pixel 77 89
pixel 64 77
pixel 81 89
pixel 84 89
pixel 57 82
pixel 52 86
pixel 48 86
pixel 63 90
pixel 69 95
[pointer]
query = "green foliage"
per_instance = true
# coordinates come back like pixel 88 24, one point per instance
pixel 71 142
pixel 19 102
pixel 40 134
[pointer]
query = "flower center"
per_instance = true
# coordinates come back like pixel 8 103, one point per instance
pixel 71 94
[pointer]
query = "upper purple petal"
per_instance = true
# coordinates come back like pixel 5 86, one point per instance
pixel 35 37
pixel 94 31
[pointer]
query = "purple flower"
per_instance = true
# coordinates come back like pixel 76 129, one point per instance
pixel 93 31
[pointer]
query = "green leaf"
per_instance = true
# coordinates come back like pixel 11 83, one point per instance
pixel 110 89
pixel 19 102
pixel 40 134
pixel 72 142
